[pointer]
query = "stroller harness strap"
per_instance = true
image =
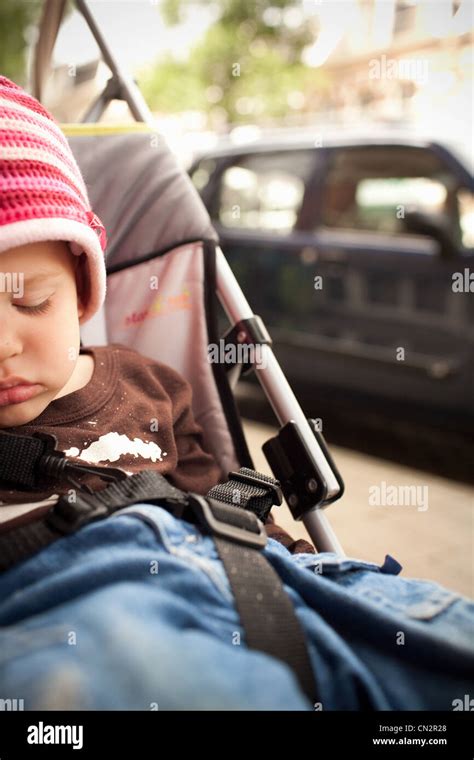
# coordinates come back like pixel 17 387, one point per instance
pixel 265 609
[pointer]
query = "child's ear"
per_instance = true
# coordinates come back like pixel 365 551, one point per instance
pixel 80 307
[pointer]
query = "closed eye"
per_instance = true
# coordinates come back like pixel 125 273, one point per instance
pixel 40 308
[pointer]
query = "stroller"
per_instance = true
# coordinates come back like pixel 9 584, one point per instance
pixel 160 232
pixel 158 227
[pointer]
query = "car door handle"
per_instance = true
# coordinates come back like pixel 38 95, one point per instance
pixel 335 256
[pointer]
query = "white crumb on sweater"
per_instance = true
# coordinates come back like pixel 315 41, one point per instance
pixel 111 446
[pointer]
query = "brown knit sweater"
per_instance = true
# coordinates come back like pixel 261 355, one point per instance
pixel 134 413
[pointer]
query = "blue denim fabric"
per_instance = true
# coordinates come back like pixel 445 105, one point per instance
pixel 136 612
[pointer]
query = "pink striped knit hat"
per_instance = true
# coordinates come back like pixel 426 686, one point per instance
pixel 42 193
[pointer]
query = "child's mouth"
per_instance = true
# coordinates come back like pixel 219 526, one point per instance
pixel 19 393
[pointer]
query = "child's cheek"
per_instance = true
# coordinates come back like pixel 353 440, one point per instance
pixel 56 346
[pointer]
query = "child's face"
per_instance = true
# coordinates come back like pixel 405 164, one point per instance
pixel 39 326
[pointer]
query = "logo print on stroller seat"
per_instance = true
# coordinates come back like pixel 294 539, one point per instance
pixel 163 304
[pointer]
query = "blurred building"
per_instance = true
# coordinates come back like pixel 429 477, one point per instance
pixel 402 61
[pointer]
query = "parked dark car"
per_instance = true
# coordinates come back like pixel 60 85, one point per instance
pixel 358 254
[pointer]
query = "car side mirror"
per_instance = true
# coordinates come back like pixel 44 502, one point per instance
pixel 422 223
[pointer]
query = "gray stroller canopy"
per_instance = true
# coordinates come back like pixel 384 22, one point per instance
pixel 145 200
pixel 158 290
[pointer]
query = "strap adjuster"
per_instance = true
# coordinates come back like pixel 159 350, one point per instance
pixel 252 480
pixel 202 508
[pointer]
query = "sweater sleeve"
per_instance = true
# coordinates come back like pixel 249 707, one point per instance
pixel 299 546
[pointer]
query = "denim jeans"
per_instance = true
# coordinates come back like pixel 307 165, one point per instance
pixel 135 612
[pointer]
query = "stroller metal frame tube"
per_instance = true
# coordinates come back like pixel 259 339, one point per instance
pixel 281 399
pixel 128 90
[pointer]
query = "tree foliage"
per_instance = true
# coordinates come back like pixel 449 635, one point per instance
pixel 15 18
pixel 248 64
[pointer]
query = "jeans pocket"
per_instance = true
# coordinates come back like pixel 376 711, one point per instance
pixel 341 569
pixel 411 597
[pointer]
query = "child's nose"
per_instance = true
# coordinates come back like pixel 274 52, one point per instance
pixel 10 344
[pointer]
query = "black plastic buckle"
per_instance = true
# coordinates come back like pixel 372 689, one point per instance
pixel 253 480
pixel 68 517
pixel 54 464
pixel 202 509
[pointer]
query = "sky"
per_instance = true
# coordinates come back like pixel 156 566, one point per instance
pixel 135 31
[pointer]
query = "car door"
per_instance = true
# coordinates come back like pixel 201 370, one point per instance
pixel 385 319
pixel 353 300
pixel 258 202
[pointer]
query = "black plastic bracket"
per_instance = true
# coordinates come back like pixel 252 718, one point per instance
pixel 246 332
pixel 302 483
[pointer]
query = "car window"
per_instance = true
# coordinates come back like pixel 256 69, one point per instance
pixel 466 217
pixel 377 188
pixel 264 191
pixel 203 173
